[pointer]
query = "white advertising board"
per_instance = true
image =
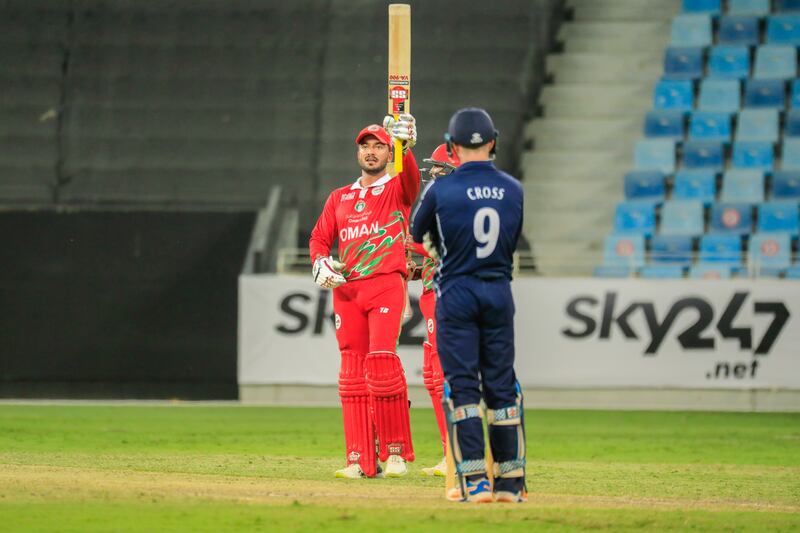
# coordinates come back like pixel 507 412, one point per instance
pixel 571 332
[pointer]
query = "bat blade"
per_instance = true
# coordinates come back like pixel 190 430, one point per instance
pixel 399 79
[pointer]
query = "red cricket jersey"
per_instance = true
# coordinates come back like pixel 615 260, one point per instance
pixel 428 266
pixel 370 223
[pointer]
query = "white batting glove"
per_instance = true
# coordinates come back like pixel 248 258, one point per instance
pixel 404 129
pixel 430 247
pixel 327 272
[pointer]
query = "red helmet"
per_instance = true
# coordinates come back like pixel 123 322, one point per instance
pixel 442 158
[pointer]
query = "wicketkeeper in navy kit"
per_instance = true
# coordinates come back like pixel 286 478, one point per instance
pixel 472 219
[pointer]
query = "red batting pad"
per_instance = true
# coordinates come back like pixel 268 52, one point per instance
pixel 359 436
pixel 386 382
pixel 433 377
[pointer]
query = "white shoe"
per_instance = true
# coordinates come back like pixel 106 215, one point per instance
pixel 440 470
pixel 353 471
pixel 396 466
pixel 511 497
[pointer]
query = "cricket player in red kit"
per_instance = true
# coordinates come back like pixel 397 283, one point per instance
pixel 443 162
pixel 369 218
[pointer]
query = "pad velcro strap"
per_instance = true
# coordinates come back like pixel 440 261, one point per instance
pixel 465 412
pixel 505 416
pixel 471 466
pixel 512 468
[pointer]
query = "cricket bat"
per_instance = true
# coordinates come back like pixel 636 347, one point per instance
pixel 399 80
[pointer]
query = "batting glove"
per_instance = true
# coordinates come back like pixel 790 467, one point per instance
pixel 327 272
pixel 403 129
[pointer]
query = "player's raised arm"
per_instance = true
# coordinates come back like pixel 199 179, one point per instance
pixel 405 130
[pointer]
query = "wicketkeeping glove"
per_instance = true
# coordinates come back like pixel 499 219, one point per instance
pixel 327 272
pixel 403 129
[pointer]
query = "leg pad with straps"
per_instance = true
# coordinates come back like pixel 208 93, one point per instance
pixel 507 439
pixel 386 382
pixel 433 377
pixel 359 435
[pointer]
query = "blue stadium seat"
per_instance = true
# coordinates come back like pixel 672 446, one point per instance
pixel 731 218
pixel 655 154
pixel 624 250
pixel 695 185
pixel 683 63
pixel 644 185
pixel 795 97
pixel 739 29
pixel 749 7
pixel 723 96
pixel 721 249
pixel 742 186
pixel 783 29
pixel 691 30
pixel 729 62
pixel 792 123
pixel 769 251
pixel 710 126
pixel 666 124
pixel 635 217
pixel 774 61
pixel 779 216
pixel 703 154
pixel 759 125
pixel 765 93
pixel 710 271
pixel 672 249
pixel 787 5
pixel 753 154
pixel 790 154
pixel 682 217
pixel 673 94
pixel 661 272
pixel 608 271
pixel 785 185
pixel 712 7
pixel 793 272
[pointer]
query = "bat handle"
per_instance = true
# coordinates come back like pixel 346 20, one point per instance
pixel 398 153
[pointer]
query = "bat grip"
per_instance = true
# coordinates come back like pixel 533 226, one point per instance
pixel 398 153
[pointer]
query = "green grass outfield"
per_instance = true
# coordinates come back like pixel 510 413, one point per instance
pixel 229 468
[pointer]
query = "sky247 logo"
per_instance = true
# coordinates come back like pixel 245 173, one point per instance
pixel 584 311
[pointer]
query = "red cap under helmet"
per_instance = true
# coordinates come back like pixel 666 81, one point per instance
pixel 376 131
pixel 442 158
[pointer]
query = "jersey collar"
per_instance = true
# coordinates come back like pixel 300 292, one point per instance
pixel 380 181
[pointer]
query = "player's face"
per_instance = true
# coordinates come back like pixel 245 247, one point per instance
pixel 373 156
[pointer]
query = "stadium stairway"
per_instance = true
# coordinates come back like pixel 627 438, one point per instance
pixel 592 114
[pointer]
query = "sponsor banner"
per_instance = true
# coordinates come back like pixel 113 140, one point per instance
pixel 569 333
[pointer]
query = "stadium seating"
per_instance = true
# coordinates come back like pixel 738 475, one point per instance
pixel 785 185
pixel 673 94
pixel 787 5
pixel 710 126
pixel 624 251
pixel 710 271
pixel 783 29
pixel 722 96
pixel 645 185
pixel 695 185
pixel 672 249
pixel 795 93
pixel 682 217
pixel 691 30
pixel 661 271
pixel 792 123
pixel 721 249
pixel 635 217
pixel 765 93
pixel 703 154
pixel 731 218
pixel 775 62
pixel 790 154
pixel 778 217
pixel 741 30
pixel 702 6
pixel 742 186
pixel 793 272
pixel 760 125
pixel 729 62
pixel 683 63
pixel 769 251
pixel 666 124
pixel 749 7
pixel 655 154
pixel 753 154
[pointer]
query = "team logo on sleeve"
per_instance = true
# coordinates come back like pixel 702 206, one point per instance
pixel 430 325
pixel 360 205
pixel 337 322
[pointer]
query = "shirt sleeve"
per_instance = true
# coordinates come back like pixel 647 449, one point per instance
pixel 324 232
pixel 418 249
pixel 422 221
pixel 409 179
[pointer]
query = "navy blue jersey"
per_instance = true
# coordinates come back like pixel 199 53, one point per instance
pixel 474 216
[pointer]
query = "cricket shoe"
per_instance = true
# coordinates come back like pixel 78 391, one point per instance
pixel 479 491
pixel 396 466
pixel 504 496
pixel 353 471
pixel 440 470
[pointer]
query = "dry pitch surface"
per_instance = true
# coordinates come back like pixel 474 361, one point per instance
pixel 190 468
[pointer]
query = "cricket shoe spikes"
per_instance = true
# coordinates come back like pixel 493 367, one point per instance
pixel 479 491
pixel 353 471
pixel 396 466
pixel 504 496
pixel 439 470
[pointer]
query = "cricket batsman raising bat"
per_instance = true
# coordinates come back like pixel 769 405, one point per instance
pixel 369 219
